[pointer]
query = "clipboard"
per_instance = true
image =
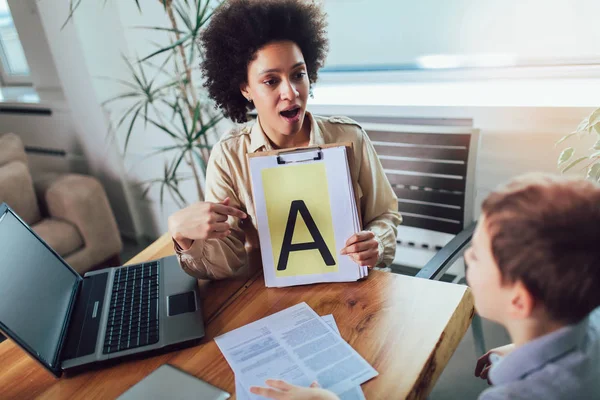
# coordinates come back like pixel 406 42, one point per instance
pixel 306 205
pixel 349 153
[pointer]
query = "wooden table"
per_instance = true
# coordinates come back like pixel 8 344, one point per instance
pixel 407 328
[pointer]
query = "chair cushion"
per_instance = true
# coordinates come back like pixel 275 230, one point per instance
pixel 11 149
pixel 62 236
pixel 16 189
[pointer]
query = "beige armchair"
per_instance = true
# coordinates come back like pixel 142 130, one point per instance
pixel 70 212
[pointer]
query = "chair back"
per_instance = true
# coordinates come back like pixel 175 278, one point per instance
pixel 431 167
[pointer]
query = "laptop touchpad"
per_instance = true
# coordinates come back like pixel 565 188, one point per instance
pixel 181 303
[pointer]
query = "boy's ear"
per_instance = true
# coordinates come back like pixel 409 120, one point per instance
pixel 522 302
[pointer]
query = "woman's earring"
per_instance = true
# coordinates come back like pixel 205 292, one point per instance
pixel 249 99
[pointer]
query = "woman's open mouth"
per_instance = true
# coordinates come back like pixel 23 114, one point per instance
pixel 291 115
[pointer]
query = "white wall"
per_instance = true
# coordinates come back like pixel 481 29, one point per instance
pixel 399 31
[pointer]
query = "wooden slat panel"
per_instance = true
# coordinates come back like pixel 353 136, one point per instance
pixel 430 153
pixel 431 211
pixel 453 199
pixel 436 139
pixel 431 224
pixel 427 181
pixel 425 166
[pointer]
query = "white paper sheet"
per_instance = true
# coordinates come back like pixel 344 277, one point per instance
pixel 295 345
pixel 354 393
pixel 343 210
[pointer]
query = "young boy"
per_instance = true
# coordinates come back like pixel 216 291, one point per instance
pixel 533 267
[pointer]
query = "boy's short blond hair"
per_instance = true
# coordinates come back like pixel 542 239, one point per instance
pixel 545 232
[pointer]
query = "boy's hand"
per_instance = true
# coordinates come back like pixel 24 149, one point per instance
pixel 280 390
pixel 484 364
pixel 363 248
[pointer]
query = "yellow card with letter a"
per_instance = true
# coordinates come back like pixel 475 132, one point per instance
pixel 305 203
pixel 300 219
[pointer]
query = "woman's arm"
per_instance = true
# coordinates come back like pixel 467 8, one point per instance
pixel 379 204
pixel 211 256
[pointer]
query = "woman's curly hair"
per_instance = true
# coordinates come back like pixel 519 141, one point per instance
pixel 239 28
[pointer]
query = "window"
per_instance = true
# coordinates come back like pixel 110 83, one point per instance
pixel 13 65
pixel 376 35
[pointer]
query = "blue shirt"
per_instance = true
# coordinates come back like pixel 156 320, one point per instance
pixel 564 364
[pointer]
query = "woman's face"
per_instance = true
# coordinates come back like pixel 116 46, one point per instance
pixel 278 86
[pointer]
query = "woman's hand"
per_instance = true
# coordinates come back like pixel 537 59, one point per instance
pixel 484 364
pixel 363 248
pixel 281 390
pixel 202 220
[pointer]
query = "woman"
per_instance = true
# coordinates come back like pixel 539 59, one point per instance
pixel 265 55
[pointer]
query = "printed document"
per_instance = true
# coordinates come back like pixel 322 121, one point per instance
pixel 297 346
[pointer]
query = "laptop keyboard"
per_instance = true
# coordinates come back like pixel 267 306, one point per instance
pixel 133 315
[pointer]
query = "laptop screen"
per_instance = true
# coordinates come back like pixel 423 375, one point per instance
pixel 36 287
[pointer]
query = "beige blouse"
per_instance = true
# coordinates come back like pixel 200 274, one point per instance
pixel 228 175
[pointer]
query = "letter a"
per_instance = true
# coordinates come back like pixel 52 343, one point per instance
pixel 318 243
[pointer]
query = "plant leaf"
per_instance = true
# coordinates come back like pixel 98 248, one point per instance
pixel 596 145
pixel 199 160
pixel 191 56
pixel 162 192
pixel 164 129
pixel 126 113
pixel 204 16
pixel 196 118
pixel 160 28
pixel 133 119
pixel 176 165
pixel 183 15
pixel 72 8
pixel 565 155
pixel 594 118
pixel 119 97
pixel 178 193
pixel 183 122
pixel 214 121
pixel 574 163
pixel 133 73
pixel 171 46
pixel 146 115
pixel 594 172
pixel 121 81
pixel 594 155
pixel 146 190
pixel 583 125
pixel 562 139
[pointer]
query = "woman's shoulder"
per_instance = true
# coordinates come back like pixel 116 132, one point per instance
pixel 235 139
pixel 339 128
pixel 338 121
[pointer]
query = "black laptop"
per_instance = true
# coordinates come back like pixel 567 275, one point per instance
pixel 67 322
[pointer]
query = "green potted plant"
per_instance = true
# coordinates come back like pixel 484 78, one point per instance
pixel 590 162
pixel 162 93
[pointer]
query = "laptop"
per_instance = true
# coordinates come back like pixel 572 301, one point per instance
pixel 67 322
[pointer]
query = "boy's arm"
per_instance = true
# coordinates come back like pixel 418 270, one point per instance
pixel 484 363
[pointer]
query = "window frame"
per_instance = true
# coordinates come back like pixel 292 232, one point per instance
pixel 13 80
pixel 7 79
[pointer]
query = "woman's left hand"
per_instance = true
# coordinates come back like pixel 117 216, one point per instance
pixel 363 248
